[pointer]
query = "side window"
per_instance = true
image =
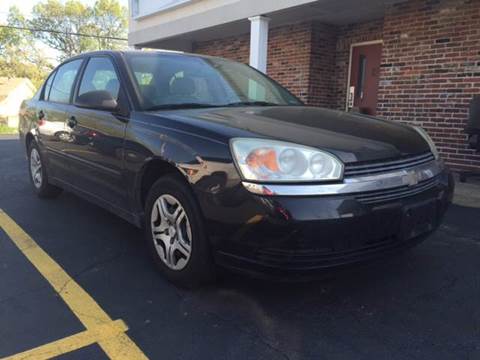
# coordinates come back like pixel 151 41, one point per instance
pixel 100 75
pixel 62 84
pixel 48 86
pixel 143 78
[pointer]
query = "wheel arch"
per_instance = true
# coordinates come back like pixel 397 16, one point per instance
pixel 28 140
pixel 151 171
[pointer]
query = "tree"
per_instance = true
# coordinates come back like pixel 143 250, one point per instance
pixel 19 55
pixel 9 36
pixel 106 18
pixel 111 21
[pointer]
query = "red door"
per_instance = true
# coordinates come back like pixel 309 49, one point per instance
pixel 365 72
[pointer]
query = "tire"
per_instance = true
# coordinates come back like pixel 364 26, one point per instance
pixel 179 247
pixel 38 174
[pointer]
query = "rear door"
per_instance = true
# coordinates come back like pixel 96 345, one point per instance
pixel 97 150
pixel 53 133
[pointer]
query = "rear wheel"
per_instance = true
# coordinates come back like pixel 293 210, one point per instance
pixel 175 233
pixel 38 174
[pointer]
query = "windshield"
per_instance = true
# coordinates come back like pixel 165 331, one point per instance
pixel 178 81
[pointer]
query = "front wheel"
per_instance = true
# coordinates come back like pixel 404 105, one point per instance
pixel 175 233
pixel 38 174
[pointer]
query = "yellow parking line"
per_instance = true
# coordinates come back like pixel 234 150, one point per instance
pixel 82 305
pixel 71 343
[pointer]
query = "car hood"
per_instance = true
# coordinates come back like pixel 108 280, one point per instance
pixel 352 137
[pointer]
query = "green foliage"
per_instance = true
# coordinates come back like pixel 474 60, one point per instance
pixel 104 18
pixel 9 37
pixel 14 66
pixel 19 57
pixel 5 130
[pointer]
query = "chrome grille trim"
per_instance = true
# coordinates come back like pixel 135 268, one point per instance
pixel 407 177
pixel 384 166
pixel 380 196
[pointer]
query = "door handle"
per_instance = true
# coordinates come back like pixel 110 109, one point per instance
pixel 72 122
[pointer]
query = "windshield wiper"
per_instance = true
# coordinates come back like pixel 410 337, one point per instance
pixel 252 103
pixel 180 106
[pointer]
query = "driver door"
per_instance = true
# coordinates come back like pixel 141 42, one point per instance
pixel 96 149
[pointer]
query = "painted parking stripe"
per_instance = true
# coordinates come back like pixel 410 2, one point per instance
pixel 85 308
pixel 72 343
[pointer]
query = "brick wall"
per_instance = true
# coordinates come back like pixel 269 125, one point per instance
pixel 321 91
pixel 289 57
pixel 236 48
pixel 292 60
pixel 430 65
pixel 431 70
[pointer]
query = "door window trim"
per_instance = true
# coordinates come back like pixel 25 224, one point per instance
pixel 350 59
pixel 44 86
pixel 74 84
pixel 121 92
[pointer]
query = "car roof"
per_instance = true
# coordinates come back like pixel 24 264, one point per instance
pixel 146 52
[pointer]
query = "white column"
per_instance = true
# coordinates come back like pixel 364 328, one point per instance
pixel 259 42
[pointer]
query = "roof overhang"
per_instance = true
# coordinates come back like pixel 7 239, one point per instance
pixel 232 19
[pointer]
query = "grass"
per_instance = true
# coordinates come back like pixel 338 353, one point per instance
pixel 5 130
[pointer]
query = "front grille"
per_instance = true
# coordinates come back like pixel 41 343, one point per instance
pixel 376 167
pixel 380 196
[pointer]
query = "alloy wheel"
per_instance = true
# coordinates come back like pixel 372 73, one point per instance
pixel 36 168
pixel 171 232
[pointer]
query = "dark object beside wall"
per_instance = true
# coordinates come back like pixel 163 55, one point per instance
pixel 473 132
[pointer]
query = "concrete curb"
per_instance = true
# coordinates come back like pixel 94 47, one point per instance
pixel 467 194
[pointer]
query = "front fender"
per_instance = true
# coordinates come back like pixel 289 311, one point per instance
pixel 205 163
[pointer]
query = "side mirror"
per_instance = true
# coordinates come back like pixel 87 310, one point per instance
pixel 98 99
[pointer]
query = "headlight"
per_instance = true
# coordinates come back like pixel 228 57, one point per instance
pixel 429 140
pixel 277 161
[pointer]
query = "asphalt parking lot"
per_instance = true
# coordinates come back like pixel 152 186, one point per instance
pixel 424 304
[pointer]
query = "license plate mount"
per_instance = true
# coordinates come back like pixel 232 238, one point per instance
pixel 419 219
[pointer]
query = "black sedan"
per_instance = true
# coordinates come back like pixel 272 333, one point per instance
pixel 222 166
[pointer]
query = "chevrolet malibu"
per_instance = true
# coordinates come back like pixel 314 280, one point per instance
pixel 224 168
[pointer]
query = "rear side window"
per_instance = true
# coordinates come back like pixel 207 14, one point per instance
pixel 63 82
pixel 48 86
pixel 100 75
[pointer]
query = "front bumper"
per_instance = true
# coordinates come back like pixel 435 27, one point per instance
pixel 290 236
